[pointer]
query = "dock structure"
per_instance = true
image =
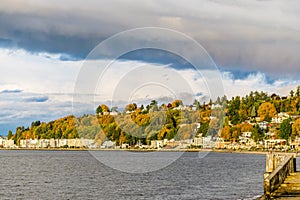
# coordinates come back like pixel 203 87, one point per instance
pixel 281 180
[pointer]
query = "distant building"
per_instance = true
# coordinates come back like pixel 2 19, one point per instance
pixel 157 144
pixel 180 107
pixel 280 117
pixel 197 141
pixel 125 146
pixel 209 142
pixel 113 113
pixel 277 143
pixel 108 144
pixel 263 125
pixel 5 143
pixel 57 143
pixel 295 144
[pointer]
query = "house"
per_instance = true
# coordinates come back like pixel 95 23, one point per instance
pixel 247 134
pixel 23 143
pixel 108 144
pixel 1 142
pixel 43 143
pixel 197 141
pixel 125 146
pixel 180 107
pixel 276 143
pixel 209 142
pixel 263 125
pixel 280 117
pixel 53 143
pixel 7 143
pixel 271 134
pixel 194 108
pixel 157 144
pixel 29 143
pixel 295 144
pixel 114 113
pixel 221 144
pixel 62 142
pixel 215 106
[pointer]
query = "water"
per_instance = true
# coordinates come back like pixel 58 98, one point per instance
pixel 78 175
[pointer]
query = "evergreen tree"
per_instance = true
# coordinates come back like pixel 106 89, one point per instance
pixel 253 112
pixel 285 129
pixel 257 133
pixel 9 135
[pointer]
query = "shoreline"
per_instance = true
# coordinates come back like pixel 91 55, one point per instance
pixel 151 150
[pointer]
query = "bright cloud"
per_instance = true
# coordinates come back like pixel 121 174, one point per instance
pixel 41 86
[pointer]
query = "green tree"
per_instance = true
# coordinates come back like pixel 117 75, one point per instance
pixel 253 112
pixel 203 128
pixel 292 93
pixel 257 133
pixel 9 135
pixel 99 110
pixel 298 91
pixel 285 129
pixel 233 110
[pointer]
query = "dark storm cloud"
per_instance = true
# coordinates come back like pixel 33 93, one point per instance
pixel 246 35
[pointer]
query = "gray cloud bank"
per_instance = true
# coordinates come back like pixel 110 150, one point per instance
pixel 245 35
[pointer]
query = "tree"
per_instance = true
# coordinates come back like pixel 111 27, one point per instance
pixel 9 135
pixel 176 103
pixel 298 91
pixel 214 126
pixel 130 107
pixel 197 104
pixel 292 93
pixel 233 110
pixel 257 133
pixel 225 133
pixel 266 111
pixel 296 128
pixel 105 108
pixel 236 132
pixel 99 110
pixel 285 129
pixel 253 112
pixel 153 105
pixel 204 126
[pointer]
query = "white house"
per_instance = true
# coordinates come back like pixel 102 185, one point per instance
pixel 263 124
pixel 108 144
pixel 157 144
pixel 247 134
pixel 5 143
pixel 280 117
pixel 274 143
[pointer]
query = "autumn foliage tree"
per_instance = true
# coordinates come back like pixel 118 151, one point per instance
pixel 266 111
pixel 225 133
pixel 296 128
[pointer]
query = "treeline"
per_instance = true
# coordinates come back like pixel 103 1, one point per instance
pixel 139 123
pixel 265 107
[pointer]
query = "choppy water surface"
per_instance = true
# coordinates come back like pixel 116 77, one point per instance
pixel 78 175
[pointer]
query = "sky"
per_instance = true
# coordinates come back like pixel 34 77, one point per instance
pixel 46 45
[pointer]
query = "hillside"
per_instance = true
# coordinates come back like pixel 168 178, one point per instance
pixel 228 118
